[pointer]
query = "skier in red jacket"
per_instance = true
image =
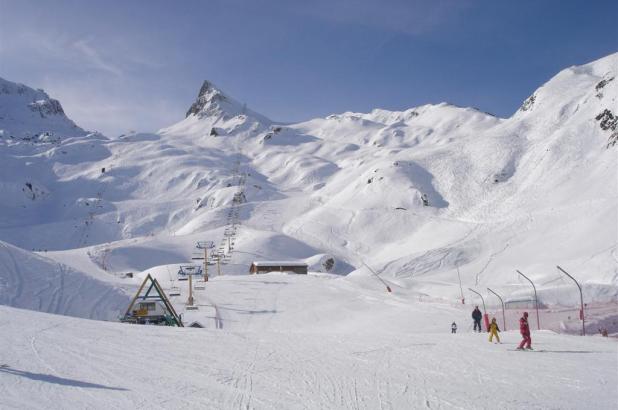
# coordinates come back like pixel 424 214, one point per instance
pixel 524 329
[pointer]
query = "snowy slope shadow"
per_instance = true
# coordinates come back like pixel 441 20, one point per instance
pixel 423 181
pixel 48 378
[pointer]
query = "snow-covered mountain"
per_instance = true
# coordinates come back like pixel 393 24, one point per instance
pixel 416 194
pixel 422 197
pixel 32 115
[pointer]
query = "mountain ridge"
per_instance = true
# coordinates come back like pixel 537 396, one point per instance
pixel 417 194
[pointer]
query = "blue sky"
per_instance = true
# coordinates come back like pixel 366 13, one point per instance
pixel 138 65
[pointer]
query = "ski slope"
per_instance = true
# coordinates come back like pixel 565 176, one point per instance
pixel 294 341
pixel 34 282
pixel 417 200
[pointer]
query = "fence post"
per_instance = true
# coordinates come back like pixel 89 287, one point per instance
pixel 536 300
pixel 581 299
pixel 485 317
pixel 503 316
pixel 463 300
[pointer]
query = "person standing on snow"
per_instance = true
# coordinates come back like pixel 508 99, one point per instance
pixel 524 329
pixel 477 316
pixel 494 330
pixel 453 327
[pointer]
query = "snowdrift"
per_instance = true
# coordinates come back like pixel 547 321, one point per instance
pixel 33 282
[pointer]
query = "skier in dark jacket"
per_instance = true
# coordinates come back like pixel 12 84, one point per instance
pixel 524 329
pixel 477 316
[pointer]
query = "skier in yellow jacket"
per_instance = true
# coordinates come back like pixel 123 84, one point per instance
pixel 494 330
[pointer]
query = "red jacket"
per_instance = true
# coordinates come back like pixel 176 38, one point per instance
pixel 524 329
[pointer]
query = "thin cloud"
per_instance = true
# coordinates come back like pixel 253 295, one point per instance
pixel 93 57
pixel 103 106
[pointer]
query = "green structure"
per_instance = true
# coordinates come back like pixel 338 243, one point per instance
pixel 152 307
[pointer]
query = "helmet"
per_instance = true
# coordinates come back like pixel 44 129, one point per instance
pixel 525 314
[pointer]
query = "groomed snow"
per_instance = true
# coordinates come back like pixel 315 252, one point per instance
pixel 414 200
pixel 293 341
pixel 34 282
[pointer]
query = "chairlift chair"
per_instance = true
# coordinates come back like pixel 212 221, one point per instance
pixel 185 270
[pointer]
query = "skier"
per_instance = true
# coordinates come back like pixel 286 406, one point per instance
pixel 477 316
pixel 494 330
pixel 453 327
pixel 524 329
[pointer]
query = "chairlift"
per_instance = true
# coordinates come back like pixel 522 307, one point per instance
pixel 185 270
pixel 204 245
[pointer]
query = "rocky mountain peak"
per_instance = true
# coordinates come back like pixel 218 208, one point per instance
pixel 207 100
pixel 214 103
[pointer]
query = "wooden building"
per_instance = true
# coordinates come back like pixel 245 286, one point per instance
pixel 279 266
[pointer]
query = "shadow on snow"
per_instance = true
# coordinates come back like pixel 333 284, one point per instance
pixel 48 378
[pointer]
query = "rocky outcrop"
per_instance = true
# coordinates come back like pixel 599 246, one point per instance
pixel 528 104
pixel 47 107
pixel 207 100
pixel 607 120
pixel 601 84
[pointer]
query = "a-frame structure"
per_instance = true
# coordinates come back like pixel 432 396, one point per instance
pixel 153 306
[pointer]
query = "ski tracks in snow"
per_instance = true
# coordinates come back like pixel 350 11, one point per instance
pixel 46 364
pixel 16 280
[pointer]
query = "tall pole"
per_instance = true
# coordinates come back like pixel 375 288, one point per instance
pixel 190 300
pixel 219 265
pixel 205 264
pixel 463 300
pixel 205 245
pixel 484 309
pixel 536 300
pixel 388 288
pixel 482 300
pixel 581 299
pixel 503 316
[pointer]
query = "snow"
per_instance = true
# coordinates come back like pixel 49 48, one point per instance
pixel 413 200
pixel 295 341
pixel 27 113
pixel 33 282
